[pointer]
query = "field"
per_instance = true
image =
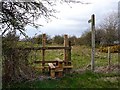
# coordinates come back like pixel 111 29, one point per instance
pixel 81 76
pixel 80 56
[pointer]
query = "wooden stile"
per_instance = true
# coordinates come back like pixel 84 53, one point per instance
pixel 52 70
pixel 57 65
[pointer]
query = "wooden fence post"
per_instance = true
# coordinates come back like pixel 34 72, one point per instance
pixel 109 57
pixel 43 50
pixel 69 51
pixel 65 51
pixel 92 21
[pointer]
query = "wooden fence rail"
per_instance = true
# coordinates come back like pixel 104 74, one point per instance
pixel 44 48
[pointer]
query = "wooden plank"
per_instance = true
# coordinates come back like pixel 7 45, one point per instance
pixel 45 61
pixel 57 48
pixel 51 66
pixel 55 61
pixel 43 48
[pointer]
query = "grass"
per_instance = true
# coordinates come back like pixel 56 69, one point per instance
pixel 81 56
pixel 87 79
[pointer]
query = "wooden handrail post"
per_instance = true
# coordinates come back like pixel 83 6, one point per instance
pixel 43 50
pixel 69 51
pixel 65 51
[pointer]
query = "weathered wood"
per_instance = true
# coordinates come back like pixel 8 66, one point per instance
pixel 43 48
pixel 45 61
pixel 60 64
pixel 52 70
pixel 109 57
pixel 51 66
pixel 56 65
pixel 52 73
pixel 59 69
pixel 93 42
pixel 69 51
pixel 59 72
pixel 43 51
pixel 55 61
pixel 65 45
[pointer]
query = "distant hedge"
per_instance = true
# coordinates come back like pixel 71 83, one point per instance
pixel 113 49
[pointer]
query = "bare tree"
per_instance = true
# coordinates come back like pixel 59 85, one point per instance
pixel 16 15
pixel 110 25
pixel 106 31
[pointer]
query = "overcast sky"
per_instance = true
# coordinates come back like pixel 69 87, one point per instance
pixel 73 18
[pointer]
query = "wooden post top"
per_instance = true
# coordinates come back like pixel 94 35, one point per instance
pixel 65 40
pixel 44 34
pixel 43 40
pixel 65 35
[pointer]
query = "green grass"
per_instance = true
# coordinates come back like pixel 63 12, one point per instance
pixel 75 80
pixel 81 55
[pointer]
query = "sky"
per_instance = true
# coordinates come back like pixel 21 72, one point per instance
pixel 73 19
